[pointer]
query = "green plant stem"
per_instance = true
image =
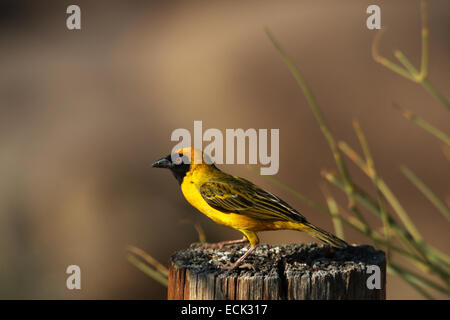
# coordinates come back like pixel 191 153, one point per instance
pixel 149 259
pixel 407 238
pixel 439 261
pixel 148 271
pixel 444 259
pixel 424 256
pixel 371 205
pixel 434 93
pixel 442 208
pixel 197 226
pixel 423 124
pixel 355 225
pixel 418 279
pixel 409 71
pixel 385 190
pixel 419 78
pixel 333 208
pixel 323 126
pixel 424 34
pixel 373 173
pixel 408 65
pixel 386 62
pixel 411 282
pixel 313 105
pixel 281 185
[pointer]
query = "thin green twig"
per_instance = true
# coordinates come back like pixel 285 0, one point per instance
pixel 385 190
pixel 147 270
pixel 410 281
pixel 436 94
pixel 370 163
pixel 409 71
pixel 275 181
pixel 446 152
pixel 418 279
pixel 423 124
pixel 334 210
pixel 323 126
pixel 408 65
pixel 149 259
pixel 353 223
pixel 198 227
pixel 424 34
pixel 427 192
pixel 426 252
pixel 313 105
pixel 386 62
pixel 439 260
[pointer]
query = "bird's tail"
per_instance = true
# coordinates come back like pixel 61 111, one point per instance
pixel 323 235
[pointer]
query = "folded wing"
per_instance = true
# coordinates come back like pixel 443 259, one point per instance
pixel 236 195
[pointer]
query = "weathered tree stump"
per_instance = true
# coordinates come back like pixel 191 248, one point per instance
pixel 296 272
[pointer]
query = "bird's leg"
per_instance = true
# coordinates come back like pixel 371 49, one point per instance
pixel 242 258
pixel 220 245
pixel 252 237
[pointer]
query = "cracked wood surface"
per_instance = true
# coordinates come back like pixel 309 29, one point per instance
pixel 295 272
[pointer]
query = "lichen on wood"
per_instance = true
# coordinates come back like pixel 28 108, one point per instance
pixel 296 272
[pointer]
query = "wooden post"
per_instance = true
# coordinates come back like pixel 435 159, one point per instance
pixel 296 272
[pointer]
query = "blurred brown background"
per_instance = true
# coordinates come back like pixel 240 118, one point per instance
pixel 83 114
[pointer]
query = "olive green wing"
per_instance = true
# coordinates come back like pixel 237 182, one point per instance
pixel 236 195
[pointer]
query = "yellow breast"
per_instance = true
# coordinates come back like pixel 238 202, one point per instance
pixel 190 188
pixel 233 220
pixel 194 197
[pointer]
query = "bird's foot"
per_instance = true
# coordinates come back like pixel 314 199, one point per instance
pixel 233 266
pixel 227 266
pixel 239 263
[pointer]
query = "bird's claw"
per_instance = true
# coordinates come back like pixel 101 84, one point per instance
pixel 228 266
pixel 233 266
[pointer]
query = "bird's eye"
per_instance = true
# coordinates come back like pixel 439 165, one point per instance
pixel 179 160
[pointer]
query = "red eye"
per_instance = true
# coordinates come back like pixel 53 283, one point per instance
pixel 179 160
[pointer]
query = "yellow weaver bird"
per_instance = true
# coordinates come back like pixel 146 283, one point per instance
pixel 236 202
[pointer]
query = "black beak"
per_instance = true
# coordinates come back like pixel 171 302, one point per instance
pixel 163 163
